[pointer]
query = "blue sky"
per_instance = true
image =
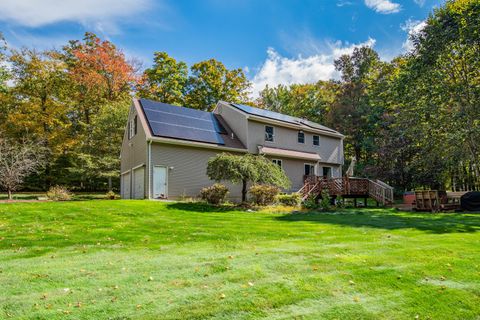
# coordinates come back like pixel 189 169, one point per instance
pixel 275 41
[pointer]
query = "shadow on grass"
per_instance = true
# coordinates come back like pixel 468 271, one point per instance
pixel 389 220
pixel 201 207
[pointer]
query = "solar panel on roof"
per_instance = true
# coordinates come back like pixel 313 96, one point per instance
pixel 182 123
pixel 316 125
pixel 279 116
pixel 266 113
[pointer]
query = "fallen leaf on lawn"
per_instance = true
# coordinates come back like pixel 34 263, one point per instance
pixel 78 304
pixel 442 278
pixel 250 284
pixel 66 312
pixel 115 287
pixel 113 299
pixel 44 296
pixel 230 257
pixel 315 268
pixel 66 290
pixel 351 282
pixel 150 278
pixel 222 296
pixel 138 306
pixel 356 299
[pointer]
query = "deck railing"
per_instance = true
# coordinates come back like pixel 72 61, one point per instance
pixel 347 186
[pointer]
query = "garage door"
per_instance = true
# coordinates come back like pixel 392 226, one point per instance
pixel 139 183
pixel 125 187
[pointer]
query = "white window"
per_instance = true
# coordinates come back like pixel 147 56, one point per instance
pixel 277 162
pixel 269 133
pixel 316 140
pixel 301 137
pixel 309 169
pixel 132 127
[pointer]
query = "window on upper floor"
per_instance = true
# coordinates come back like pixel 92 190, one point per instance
pixel 316 140
pixel 132 127
pixel 277 162
pixel 301 137
pixel 269 133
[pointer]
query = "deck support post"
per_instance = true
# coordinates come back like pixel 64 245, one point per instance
pixel 366 203
pixel 355 202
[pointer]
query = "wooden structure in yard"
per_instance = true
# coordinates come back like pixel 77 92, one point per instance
pixel 434 200
pixel 347 187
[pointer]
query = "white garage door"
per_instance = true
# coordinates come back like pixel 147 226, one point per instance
pixel 125 187
pixel 139 183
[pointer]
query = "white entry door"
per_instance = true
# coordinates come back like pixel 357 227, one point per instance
pixel 159 182
pixel 125 186
pixel 138 183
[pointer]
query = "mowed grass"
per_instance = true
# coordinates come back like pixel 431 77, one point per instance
pixel 152 260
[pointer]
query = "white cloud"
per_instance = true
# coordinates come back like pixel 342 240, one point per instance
pixel 281 70
pixel 412 27
pixel 36 13
pixel 421 3
pixel 383 6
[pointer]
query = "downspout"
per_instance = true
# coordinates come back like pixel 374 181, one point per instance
pixel 149 161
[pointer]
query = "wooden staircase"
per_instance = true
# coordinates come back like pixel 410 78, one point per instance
pixel 348 188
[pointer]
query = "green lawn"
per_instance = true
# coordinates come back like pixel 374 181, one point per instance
pixel 152 260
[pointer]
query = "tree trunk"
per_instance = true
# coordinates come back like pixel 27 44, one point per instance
pixel 244 190
pixel 109 183
pixel 10 196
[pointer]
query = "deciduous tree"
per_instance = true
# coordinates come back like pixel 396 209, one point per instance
pixel 211 81
pixel 245 169
pixel 17 161
pixel 165 81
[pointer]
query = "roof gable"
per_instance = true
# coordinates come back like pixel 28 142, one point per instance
pixel 169 121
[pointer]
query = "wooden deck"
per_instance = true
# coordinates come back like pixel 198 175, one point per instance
pixel 347 188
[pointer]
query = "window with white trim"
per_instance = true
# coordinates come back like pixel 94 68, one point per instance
pixel 316 140
pixel 132 127
pixel 301 137
pixel 327 172
pixel 278 162
pixel 269 133
pixel 309 169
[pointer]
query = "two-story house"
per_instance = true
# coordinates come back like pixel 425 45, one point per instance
pixel 166 148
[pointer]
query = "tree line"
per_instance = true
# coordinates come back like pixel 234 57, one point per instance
pixel 413 122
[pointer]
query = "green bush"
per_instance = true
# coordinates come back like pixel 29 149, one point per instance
pixel 310 203
pixel 110 195
pixel 214 194
pixel 59 193
pixel 292 199
pixel 263 194
pixel 325 204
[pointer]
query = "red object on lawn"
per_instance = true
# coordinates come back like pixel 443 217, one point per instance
pixel 409 197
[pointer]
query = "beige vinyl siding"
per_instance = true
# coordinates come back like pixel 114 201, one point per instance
pixel 235 119
pixel 295 170
pixel 134 151
pixel 186 170
pixel 330 148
